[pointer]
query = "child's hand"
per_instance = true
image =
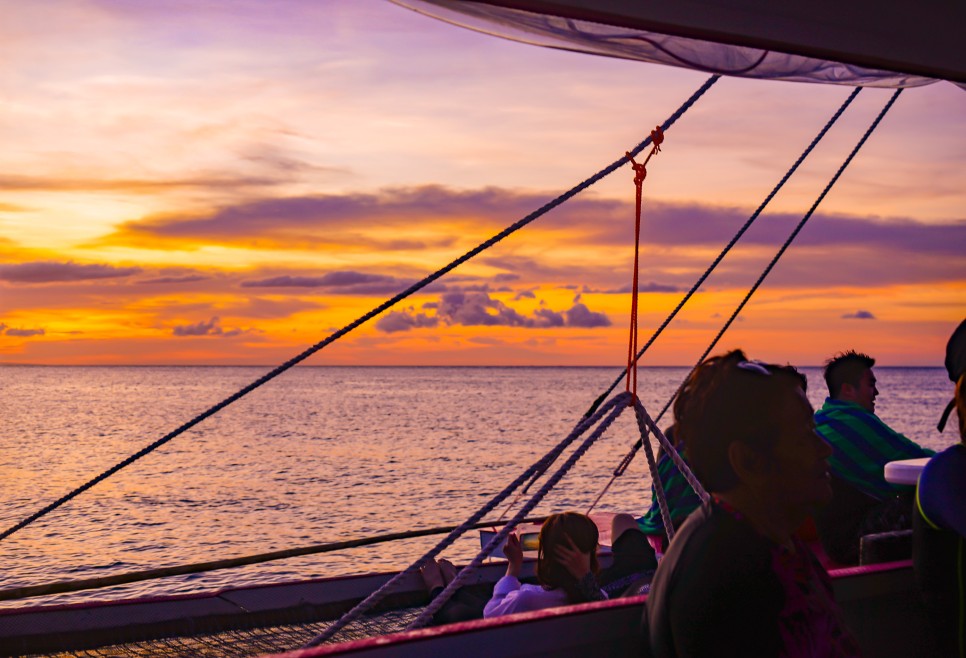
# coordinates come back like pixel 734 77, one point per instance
pixel 514 555
pixel 573 559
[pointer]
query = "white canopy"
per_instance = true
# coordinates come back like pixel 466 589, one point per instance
pixel 567 25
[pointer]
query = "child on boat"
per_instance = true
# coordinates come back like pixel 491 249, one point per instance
pixel 566 568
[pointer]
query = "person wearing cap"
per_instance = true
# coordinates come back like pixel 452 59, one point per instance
pixel 735 580
pixel 939 526
pixel 863 502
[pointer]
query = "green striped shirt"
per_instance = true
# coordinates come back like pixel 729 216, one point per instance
pixel 681 499
pixel 862 445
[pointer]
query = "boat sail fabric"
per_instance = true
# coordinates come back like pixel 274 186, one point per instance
pixel 629 43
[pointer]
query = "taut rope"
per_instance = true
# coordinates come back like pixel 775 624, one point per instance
pixel 628 458
pixel 379 594
pixel 606 171
pixel 755 286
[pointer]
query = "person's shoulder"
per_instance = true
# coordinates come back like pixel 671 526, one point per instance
pixel 535 597
pixel 838 410
pixel 941 494
pixel 712 543
pixel 948 465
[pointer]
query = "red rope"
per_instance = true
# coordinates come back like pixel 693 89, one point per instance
pixel 640 173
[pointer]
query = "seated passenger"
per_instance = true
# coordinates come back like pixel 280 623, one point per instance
pixel 939 529
pixel 566 568
pixel 863 501
pixel 633 557
pixel 735 581
pixel 681 498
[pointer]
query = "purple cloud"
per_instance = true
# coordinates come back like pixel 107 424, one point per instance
pixel 346 282
pixel 859 315
pixel 469 308
pixel 581 316
pixel 477 309
pixel 329 280
pixel 651 286
pixel 191 278
pixel 24 333
pixel 210 328
pixel 404 321
pixel 51 272
pixel 544 317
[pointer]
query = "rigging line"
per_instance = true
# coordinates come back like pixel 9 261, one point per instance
pixel 618 407
pixel 625 462
pixel 368 316
pixel 374 598
pixel 673 453
pixel 801 224
pixel 629 457
pixel 640 174
pixel 646 424
pixel 751 220
pixel 79 585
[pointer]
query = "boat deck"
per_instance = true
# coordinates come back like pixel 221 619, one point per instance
pixel 244 643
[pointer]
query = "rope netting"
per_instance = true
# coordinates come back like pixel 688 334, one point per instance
pixel 242 642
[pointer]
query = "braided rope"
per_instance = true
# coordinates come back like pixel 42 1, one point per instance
pixel 100 582
pixel 646 424
pixel 766 272
pixel 655 475
pixel 377 596
pixel 801 223
pixel 751 220
pixel 629 457
pixel 364 318
pixel 620 401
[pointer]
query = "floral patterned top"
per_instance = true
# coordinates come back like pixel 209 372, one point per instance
pixel 724 589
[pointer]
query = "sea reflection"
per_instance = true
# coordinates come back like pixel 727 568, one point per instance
pixel 319 455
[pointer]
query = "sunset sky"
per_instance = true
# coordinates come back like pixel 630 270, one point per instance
pixel 228 182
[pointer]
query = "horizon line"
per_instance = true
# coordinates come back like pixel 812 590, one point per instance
pixel 378 365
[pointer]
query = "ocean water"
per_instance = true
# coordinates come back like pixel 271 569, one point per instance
pixel 321 454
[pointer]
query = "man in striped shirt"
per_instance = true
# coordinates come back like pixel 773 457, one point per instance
pixel 862 445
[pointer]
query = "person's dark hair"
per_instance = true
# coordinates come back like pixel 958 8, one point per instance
pixel 583 532
pixel 956 367
pixel 728 399
pixel 846 368
pixel 960 400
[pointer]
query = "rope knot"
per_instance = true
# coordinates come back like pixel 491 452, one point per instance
pixel 640 169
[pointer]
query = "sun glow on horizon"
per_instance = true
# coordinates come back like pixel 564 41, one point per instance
pixel 173 195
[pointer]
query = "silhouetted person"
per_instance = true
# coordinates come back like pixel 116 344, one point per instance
pixel 735 581
pixel 939 537
pixel 864 502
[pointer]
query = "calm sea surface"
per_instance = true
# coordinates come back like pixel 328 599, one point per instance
pixel 321 454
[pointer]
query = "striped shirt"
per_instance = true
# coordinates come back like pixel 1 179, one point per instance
pixel 862 445
pixel 681 499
